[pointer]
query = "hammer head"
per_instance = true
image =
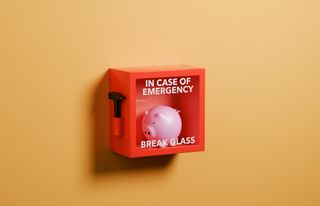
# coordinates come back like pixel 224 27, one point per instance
pixel 117 99
pixel 116 96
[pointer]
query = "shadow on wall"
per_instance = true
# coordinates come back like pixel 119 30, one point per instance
pixel 103 160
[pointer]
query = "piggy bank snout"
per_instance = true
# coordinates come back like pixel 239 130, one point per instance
pixel 150 132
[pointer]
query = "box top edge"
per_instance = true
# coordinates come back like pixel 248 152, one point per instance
pixel 156 68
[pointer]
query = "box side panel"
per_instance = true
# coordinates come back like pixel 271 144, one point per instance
pixel 119 82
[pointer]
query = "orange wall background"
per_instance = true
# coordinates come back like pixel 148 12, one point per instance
pixel 262 101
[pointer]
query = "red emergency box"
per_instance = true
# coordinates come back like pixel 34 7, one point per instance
pixel 156 110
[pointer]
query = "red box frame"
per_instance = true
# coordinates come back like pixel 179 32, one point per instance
pixel 124 80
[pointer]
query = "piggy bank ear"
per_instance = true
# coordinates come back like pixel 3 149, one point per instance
pixel 178 111
pixel 146 112
pixel 158 115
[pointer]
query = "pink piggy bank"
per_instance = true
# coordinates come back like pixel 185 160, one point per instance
pixel 162 123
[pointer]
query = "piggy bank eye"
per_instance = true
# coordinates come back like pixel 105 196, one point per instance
pixel 148 133
pixel 153 122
